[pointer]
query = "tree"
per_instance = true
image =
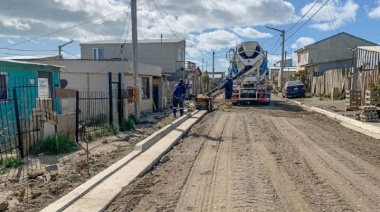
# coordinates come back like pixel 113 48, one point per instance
pixel 205 79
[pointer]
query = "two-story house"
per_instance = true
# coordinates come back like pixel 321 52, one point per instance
pixel 167 53
pixel 334 52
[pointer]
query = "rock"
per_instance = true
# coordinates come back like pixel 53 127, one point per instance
pixel 105 142
pixel 13 180
pixel 165 159
pixel 35 174
pixel 4 205
pixel 35 194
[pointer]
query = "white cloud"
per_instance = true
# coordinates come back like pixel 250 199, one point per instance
pixel 375 12
pixel 217 40
pixel 301 42
pixel 249 32
pixel 16 24
pixel 224 63
pixel 333 15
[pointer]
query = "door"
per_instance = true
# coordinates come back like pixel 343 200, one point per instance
pixel 156 97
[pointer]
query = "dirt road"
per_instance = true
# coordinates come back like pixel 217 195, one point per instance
pixel 263 158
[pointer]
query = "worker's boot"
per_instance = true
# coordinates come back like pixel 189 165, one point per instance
pixel 181 112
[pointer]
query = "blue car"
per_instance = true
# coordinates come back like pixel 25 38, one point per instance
pixel 294 89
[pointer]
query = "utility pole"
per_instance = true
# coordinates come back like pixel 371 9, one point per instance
pixel 135 59
pixel 213 68
pixel 282 55
pixel 202 63
pixel 184 64
pixel 60 49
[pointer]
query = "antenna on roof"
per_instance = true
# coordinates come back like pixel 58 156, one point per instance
pixel 60 49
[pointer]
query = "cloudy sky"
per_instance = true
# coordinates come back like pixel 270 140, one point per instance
pixel 38 27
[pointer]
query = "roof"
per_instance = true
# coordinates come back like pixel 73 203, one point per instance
pixel 339 34
pixel 27 63
pixel 370 48
pixel 130 41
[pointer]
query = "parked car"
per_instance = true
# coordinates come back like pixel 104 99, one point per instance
pixel 294 89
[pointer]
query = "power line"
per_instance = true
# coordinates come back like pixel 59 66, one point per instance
pixel 151 16
pixel 71 27
pixel 70 54
pixel 278 40
pixel 165 20
pixel 333 19
pixel 307 12
pixel 303 16
pixel 30 50
pixel 307 20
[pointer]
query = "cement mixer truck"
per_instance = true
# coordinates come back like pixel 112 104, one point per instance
pixel 248 65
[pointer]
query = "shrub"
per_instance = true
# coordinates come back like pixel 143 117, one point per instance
pixel 128 124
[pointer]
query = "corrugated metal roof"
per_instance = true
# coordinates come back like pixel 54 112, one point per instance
pixel 370 48
pixel 26 63
pixel 129 41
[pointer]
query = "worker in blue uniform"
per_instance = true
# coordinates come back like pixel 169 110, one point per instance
pixel 178 97
pixel 228 87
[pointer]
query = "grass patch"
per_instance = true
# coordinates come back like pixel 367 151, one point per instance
pixel 342 96
pixel 107 131
pixel 11 162
pixel 323 96
pixel 54 145
pixel 8 163
pixel 309 95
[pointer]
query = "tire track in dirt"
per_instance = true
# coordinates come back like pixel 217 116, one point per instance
pixel 326 140
pixel 250 188
pixel 362 194
pixel 199 180
pixel 291 199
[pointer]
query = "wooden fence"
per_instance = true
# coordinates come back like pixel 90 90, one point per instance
pixel 333 78
pixel 345 79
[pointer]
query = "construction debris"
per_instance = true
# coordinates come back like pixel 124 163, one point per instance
pixel 369 113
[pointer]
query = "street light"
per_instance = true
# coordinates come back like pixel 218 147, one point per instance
pixel 282 55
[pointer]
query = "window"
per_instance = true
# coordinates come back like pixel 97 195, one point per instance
pixel 98 53
pixel 3 87
pixel 145 88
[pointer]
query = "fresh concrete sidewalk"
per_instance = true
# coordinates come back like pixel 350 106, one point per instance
pixel 97 196
pixel 369 127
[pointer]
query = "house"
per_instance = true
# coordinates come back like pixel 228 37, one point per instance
pixel 26 101
pixel 334 52
pixel 287 63
pixel 166 53
pixel 92 75
pixel 288 74
pixel 195 81
pixel 218 77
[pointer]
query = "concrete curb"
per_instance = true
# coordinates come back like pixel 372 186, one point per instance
pixel 348 120
pixel 341 118
pixel 65 201
pixel 168 145
pixel 152 139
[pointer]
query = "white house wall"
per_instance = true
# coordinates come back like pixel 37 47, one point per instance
pixel 85 75
pixel 164 54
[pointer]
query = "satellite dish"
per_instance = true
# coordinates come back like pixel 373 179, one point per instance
pixel 63 83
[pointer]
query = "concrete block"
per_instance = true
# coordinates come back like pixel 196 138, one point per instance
pixel 335 93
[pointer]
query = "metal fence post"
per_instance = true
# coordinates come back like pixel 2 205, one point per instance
pixel 77 116
pixel 18 124
pixel 120 100
pixel 110 98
